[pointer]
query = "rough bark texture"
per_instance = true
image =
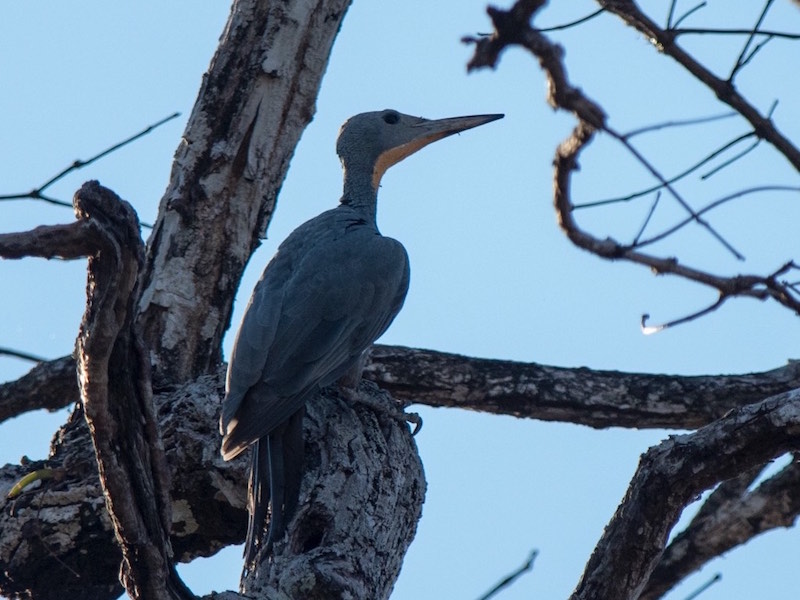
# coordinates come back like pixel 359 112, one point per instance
pixel 116 395
pixel 359 506
pixel 51 385
pixel 364 486
pixel 669 476
pixel 673 473
pixel 48 530
pixel 57 540
pixel 732 515
pixel 581 395
pixel 255 101
pixel 115 387
pixel 531 390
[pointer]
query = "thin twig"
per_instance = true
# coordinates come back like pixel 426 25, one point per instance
pixel 722 31
pixel 712 205
pixel 674 193
pixel 651 329
pixel 511 577
pixel 21 354
pixel 704 587
pixel 756 50
pixel 671 13
pixel 674 179
pixel 580 21
pixel 730 161
pixel 743 56
pixel 678 123
pixel 690 12
pixel 647 219
pixel 38 192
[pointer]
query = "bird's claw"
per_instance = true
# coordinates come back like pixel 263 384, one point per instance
pixel 396 413
pixel 415 420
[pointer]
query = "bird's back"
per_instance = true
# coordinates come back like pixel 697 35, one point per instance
pixel 333 287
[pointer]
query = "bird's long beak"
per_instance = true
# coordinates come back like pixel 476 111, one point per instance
pixel 433 130
pixel 422 133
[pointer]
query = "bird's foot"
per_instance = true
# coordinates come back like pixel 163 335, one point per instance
pixel 355 395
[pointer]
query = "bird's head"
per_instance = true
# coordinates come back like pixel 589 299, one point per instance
pixel 374 141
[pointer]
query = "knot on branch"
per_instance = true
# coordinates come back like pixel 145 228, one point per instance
pixel 111 215
pixel 510 27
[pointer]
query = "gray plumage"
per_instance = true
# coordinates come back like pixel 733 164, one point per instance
pixel 332 289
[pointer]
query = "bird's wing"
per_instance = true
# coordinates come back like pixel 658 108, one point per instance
pixel 352 297
pixel 337 301
pixel 255 336
pixel 262 316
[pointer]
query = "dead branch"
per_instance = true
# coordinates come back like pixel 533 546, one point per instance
pixel 71 552
pixel 511 577
pixel 664 41
pixel 585 396
pixel 51 385
pixel 670 476
pixel 529 390
pixel 513 27
pixel 731 516
pixel 255 101
pixel 58 540
pixel 362 462
pixel 208 497
pixel 114 380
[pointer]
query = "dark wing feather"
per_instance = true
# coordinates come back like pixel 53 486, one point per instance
pixel 332 294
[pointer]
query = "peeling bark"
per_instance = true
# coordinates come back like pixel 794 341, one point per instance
pixel 582 395
pixel 256 98
pixel 364 485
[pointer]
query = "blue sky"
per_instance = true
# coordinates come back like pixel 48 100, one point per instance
pixel 492 276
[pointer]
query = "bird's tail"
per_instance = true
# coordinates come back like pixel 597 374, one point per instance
pixel 276 472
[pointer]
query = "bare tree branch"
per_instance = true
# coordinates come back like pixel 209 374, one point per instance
pixel 696 593
pixel 115 385
pixel 669 476
pixel 209 494
pixel 575 395
pixel 511 577
pixel 57 539
pixel 21 355
pixel 75 240
pixel 624 559
pixel 586 396
pixel 51 385
pixel 664 41
pixel 254 103
pixel 362 461
pixel 732 515
pixel 513 27
pixel 114 378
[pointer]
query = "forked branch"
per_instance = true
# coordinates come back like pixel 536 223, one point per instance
pixel 115 386
pixel 513 27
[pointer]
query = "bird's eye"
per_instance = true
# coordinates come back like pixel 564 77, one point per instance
pixel 391 117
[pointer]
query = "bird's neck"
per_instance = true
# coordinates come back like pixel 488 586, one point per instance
pixel 359 192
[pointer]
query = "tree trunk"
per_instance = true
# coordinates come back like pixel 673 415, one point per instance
pixel 255 101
